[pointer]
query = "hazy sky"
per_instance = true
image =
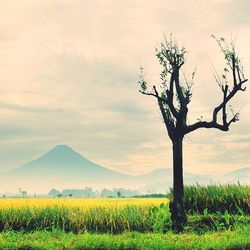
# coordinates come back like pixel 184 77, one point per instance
pixel 69 71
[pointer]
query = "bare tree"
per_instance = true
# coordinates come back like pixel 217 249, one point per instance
pixel 173 99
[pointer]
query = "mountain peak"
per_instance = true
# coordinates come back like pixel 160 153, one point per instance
pixel 63 152
pixel 59 158
pixel 62 147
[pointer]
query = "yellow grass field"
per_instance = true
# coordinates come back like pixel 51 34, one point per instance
pixel 113 215
pixel 79 202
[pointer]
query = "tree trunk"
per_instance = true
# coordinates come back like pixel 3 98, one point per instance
pixel 178 214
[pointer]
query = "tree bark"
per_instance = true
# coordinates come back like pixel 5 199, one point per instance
pixel 178 214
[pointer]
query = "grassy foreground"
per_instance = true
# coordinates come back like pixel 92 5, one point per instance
pixel 218 218
pixel 237 239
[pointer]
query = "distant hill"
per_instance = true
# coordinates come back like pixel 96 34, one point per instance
pixel 242 175
pixel 164 181
pixel 62 167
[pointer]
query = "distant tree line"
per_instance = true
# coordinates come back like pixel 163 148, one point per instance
pixel 150 195
pixel 89 192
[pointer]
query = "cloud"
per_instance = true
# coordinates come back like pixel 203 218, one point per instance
pixel 15 107
pixel 238 14
pixel 10 131
pixel 70 75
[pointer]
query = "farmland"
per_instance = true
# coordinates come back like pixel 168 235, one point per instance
pixel 218 218
pixel 77 202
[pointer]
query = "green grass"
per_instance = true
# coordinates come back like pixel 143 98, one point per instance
pixel 112 220
pixel 237 239
pixel 231 198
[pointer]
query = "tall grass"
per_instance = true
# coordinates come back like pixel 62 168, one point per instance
pixel 112 220
pixel 95 219
pixel 233 198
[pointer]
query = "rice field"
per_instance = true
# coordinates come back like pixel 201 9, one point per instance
pixel 83 203
pixel 112 215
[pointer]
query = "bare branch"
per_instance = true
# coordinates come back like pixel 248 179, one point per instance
pixel 213 123
pixel 236 88
pixel 224 115
pixel 234 69
pixel 148 93
pixel 204 124
pixel 234 119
